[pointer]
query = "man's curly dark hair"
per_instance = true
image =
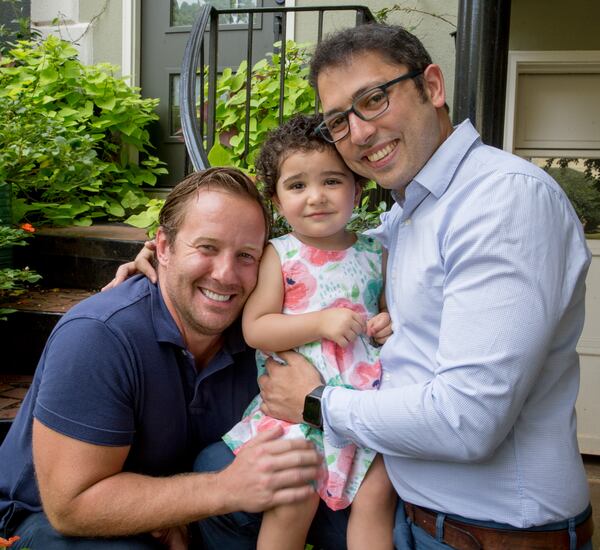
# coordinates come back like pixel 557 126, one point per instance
pixel 296 134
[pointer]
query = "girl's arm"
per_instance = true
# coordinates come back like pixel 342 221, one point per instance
pixel 266 328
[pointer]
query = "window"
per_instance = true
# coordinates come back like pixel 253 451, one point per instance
pixel 184 12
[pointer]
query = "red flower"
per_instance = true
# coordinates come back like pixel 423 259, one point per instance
pixel 26 227
pixel 337 356
pixel 268 422
pixel 366 376
pixel 321 257
pixel 7 543
pixel 333 492
pixel 299 285
pixel 344 302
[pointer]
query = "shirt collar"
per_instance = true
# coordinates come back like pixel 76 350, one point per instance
pixel 438 172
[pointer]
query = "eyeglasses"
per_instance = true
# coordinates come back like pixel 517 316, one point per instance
pixel 366 106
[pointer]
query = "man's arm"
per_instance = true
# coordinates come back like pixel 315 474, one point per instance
pixel 85 492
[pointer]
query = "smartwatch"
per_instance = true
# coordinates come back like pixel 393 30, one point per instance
pixel 312 408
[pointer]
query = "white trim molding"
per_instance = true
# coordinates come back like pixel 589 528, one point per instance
pixel 548 63
pixel 130 47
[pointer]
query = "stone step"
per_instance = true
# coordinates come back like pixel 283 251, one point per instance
pixel 13 388
pixel 79 257
pixel 74 263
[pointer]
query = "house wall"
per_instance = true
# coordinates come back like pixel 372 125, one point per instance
pixel 554 25
pixel 95 27
pixel 432 31
pixel 561 26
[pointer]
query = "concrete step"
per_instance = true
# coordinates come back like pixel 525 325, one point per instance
pixel 74 262
pixel 79 257
pixel 13 388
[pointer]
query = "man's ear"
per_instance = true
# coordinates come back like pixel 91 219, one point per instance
pixel 435 88
pixel 163 250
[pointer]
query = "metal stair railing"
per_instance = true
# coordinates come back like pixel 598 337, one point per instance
pixel 193 118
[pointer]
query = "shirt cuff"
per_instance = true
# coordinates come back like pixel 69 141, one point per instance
pixel 333 401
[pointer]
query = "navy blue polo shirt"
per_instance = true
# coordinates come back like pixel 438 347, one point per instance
pixel 115 371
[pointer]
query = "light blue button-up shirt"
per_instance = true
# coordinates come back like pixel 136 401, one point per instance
pixel 485 287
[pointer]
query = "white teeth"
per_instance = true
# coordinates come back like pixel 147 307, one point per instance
pixel 382 152
pixel 214 296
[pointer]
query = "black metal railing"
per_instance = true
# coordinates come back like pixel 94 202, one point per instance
pixel 201 62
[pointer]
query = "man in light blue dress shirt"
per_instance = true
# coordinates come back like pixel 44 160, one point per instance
pixel 485 285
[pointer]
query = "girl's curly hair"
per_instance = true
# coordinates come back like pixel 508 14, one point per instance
pixel 296 134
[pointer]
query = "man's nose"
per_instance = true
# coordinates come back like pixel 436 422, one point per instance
pixel 361 131
pixel 224 268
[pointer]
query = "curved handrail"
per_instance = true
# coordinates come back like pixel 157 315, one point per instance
pixel 193 59
pixel 192 131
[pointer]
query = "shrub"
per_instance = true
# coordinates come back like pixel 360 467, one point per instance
pixel 583 192
pixel 67 136
pixel 230 116
pixel 14 281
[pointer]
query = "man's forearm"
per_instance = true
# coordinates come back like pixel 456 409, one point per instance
pixel 269 471
pixel 129 503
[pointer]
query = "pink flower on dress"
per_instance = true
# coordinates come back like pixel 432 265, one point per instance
pixel 333 492
pixel 299 285
pixel 337 356
pixel 268 422
pixel 366 376
pixel 321 257
pixel 348 304
pixel 345 459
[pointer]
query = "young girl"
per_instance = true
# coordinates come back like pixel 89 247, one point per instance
pixel 319 291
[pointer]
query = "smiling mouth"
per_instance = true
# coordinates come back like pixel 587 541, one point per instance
pixel 382 153
pixel 215 296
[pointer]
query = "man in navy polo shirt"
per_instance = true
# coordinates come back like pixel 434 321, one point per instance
pixel 134 382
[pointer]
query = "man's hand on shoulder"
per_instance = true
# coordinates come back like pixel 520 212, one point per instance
pixel 142 264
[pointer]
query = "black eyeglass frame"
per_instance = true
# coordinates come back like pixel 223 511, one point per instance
pixel 322 129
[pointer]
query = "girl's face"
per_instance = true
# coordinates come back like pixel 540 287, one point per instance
pixel 316 193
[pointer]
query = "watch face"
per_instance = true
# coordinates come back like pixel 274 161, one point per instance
pixel 312 411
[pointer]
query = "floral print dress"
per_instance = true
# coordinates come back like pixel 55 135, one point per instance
pixel 316 279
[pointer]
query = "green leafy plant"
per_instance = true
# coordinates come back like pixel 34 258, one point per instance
pixel 366 215
pixel 14 281
pixel 299 97
pixel 68 133
pixel 582 188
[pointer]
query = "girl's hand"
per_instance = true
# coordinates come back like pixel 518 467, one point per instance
pixel 142 264
pixel 379 327
pixel 341 325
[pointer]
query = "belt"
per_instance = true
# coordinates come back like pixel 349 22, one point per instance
pixel 466 536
